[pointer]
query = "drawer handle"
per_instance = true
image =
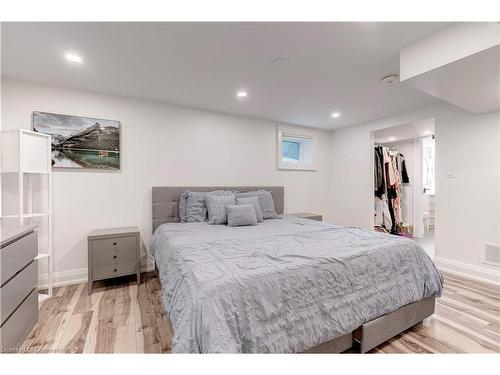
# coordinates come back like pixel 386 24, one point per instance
pixel 114 256
pixel 115 270
pixel 114 243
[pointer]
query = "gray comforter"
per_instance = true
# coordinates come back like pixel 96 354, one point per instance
pixel 285 285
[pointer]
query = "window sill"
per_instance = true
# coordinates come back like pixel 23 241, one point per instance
pixel 290 168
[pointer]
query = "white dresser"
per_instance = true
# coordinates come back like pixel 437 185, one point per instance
pixel 18 284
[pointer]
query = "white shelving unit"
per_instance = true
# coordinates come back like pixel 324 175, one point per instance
pixel 26 163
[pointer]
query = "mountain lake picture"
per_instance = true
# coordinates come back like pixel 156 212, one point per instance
pixel 81 142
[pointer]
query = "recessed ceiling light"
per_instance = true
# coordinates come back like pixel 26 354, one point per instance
pixel 391 139
pixel 242 94
pixel 335 114
pixel 427 132
pixel 73 57
pixel 391 79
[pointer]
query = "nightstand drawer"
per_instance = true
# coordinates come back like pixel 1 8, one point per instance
pixel 112 270
pixel 101 258
pixel 113 243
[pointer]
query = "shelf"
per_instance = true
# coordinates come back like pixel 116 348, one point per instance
pixel 26 151
pixel 27 157
pixel 26 216
pixel 36 214
pixel 25 172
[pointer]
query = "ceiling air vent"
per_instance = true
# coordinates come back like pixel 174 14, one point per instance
pixel 391 79
pixel 491 254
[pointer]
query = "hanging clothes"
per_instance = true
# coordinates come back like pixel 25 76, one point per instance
pixel 404 178
pixel 380 186
pixel 393 168
pixel 390 173
pixel 396 185
pixel 379 174
pixel 402 169
pixel 382 214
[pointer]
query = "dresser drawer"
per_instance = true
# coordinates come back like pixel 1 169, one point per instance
pixel 112 270
pixel 17 255
pixel 101 258
pixel 103 244
pixel 13 293
pixel 15 329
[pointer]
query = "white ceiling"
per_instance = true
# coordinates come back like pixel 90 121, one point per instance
pixel 471 83
pixel 422 128
pixel 331 66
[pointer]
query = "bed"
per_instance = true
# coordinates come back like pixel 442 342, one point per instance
pixel 287 285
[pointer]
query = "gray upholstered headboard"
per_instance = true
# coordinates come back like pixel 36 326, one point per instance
pixel 166 200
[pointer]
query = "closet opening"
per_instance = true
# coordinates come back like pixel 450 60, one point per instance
pixel 404 181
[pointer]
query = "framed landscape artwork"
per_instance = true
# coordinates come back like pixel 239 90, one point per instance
pixel 81 142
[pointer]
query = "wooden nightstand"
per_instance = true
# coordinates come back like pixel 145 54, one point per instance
pixel 112 253
pixel 305 215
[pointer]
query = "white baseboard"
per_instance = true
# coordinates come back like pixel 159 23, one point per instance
pixel 76 276
pixel 484 274
pixel 61 278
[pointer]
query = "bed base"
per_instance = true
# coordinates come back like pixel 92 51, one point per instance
pixel 337 345
pixel 378 331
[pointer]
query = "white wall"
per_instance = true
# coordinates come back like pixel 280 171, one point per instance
pixel 161 145
pixel 467 206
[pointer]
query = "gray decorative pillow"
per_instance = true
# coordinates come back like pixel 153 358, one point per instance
pixel 216 207
pixel 256 205
pixel 196 210
pixel 183 206
pixel 239 215
pixel 265 200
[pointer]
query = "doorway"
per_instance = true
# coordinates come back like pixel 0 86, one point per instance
pixel 404 182
pixel 428 194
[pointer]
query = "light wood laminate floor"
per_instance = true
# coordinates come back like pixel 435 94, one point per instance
pixel 121 317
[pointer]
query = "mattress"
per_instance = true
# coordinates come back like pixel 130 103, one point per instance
pixel 283 286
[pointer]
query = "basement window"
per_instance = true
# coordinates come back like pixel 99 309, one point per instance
pixel 296 148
